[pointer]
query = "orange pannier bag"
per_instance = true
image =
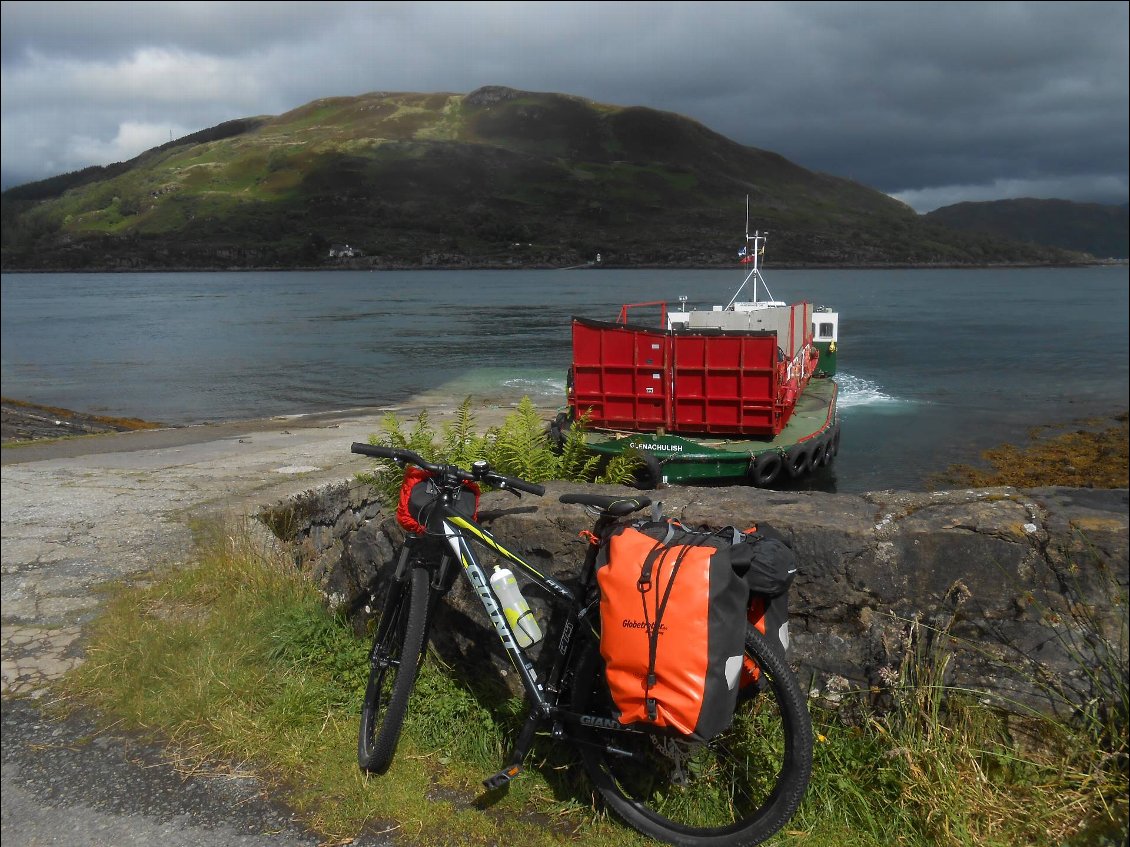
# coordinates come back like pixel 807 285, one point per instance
pixel 673 621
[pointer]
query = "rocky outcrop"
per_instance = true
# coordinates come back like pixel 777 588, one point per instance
pixel 1021 593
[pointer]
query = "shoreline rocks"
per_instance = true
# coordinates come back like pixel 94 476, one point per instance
pixel 1022 590
pixel 24 422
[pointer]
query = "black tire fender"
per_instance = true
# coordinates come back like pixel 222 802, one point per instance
pixel 798 460
pixel 559 429
pixel 820 453
pixel 650 473
pixel 766 468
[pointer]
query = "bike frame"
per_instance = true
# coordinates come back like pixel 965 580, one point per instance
pixel 461 535
pixel 457 530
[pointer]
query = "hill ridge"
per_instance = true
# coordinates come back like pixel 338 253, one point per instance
pixel 1101 230
pixel 498 177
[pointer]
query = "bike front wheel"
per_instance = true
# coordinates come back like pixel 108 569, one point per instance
pixel 394 661
pixel 736 790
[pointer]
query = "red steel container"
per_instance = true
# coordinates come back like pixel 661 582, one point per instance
pixel 707 382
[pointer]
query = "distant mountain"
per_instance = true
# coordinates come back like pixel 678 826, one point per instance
pixel 494 178
pixel 1102 231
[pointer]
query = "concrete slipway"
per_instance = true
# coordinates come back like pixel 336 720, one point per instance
pixel 79 513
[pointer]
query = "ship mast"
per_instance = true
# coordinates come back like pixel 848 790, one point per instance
pixel 752 252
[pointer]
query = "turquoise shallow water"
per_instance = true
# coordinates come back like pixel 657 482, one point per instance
pixel 936 365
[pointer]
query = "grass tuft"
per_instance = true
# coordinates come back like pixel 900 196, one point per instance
pixel 233 659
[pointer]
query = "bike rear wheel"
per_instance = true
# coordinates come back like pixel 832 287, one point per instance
pixel 735 790
pixel 394 661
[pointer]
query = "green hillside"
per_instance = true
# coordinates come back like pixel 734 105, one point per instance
pixel 496 177
pixel 1102 231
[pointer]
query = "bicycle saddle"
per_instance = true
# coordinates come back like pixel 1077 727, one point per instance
pixel 615 506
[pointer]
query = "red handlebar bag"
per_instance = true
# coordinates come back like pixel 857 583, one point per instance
pixel 419 494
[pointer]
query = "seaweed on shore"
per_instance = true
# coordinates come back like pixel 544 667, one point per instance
pixel 23 422
pixel 1092 454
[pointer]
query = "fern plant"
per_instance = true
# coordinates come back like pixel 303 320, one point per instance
pixel 576 462
pixel 520 447
pixel 387 476
pixel 462 446
pixel 622 469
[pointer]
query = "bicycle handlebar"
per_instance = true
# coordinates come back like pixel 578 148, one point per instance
pixel 481 471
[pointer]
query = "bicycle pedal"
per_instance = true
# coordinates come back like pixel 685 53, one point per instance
pixel 502 778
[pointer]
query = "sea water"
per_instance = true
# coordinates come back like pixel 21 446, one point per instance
pixel 935 365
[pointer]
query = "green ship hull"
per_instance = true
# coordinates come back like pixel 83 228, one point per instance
pixel 809 440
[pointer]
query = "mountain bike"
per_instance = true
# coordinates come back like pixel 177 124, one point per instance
pixel 736 789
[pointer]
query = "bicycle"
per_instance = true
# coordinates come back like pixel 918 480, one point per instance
pixel 735 790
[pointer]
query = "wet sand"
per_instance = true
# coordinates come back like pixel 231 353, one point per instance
pixel 35 433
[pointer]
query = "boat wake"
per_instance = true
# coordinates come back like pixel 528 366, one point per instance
pixel 507 386
pixel 858 391
pixel 537 388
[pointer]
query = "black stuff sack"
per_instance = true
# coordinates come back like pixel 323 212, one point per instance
pixel 768 565
pixel 763 557
pixel 419 493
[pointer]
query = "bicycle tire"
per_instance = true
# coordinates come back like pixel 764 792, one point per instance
pixel 394 661
pixel 736 790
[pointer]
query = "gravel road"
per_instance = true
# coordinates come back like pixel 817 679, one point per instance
pixel 78 513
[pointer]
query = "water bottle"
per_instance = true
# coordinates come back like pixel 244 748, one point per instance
pixel 515 607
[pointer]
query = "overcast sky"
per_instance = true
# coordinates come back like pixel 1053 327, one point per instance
pixel 933 103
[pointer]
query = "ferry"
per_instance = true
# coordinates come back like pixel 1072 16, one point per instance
pixel 741 392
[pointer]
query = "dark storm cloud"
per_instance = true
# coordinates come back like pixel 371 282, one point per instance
pixel 930 102
pixel 94 31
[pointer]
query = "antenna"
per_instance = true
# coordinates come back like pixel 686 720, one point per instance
pixel 755 272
